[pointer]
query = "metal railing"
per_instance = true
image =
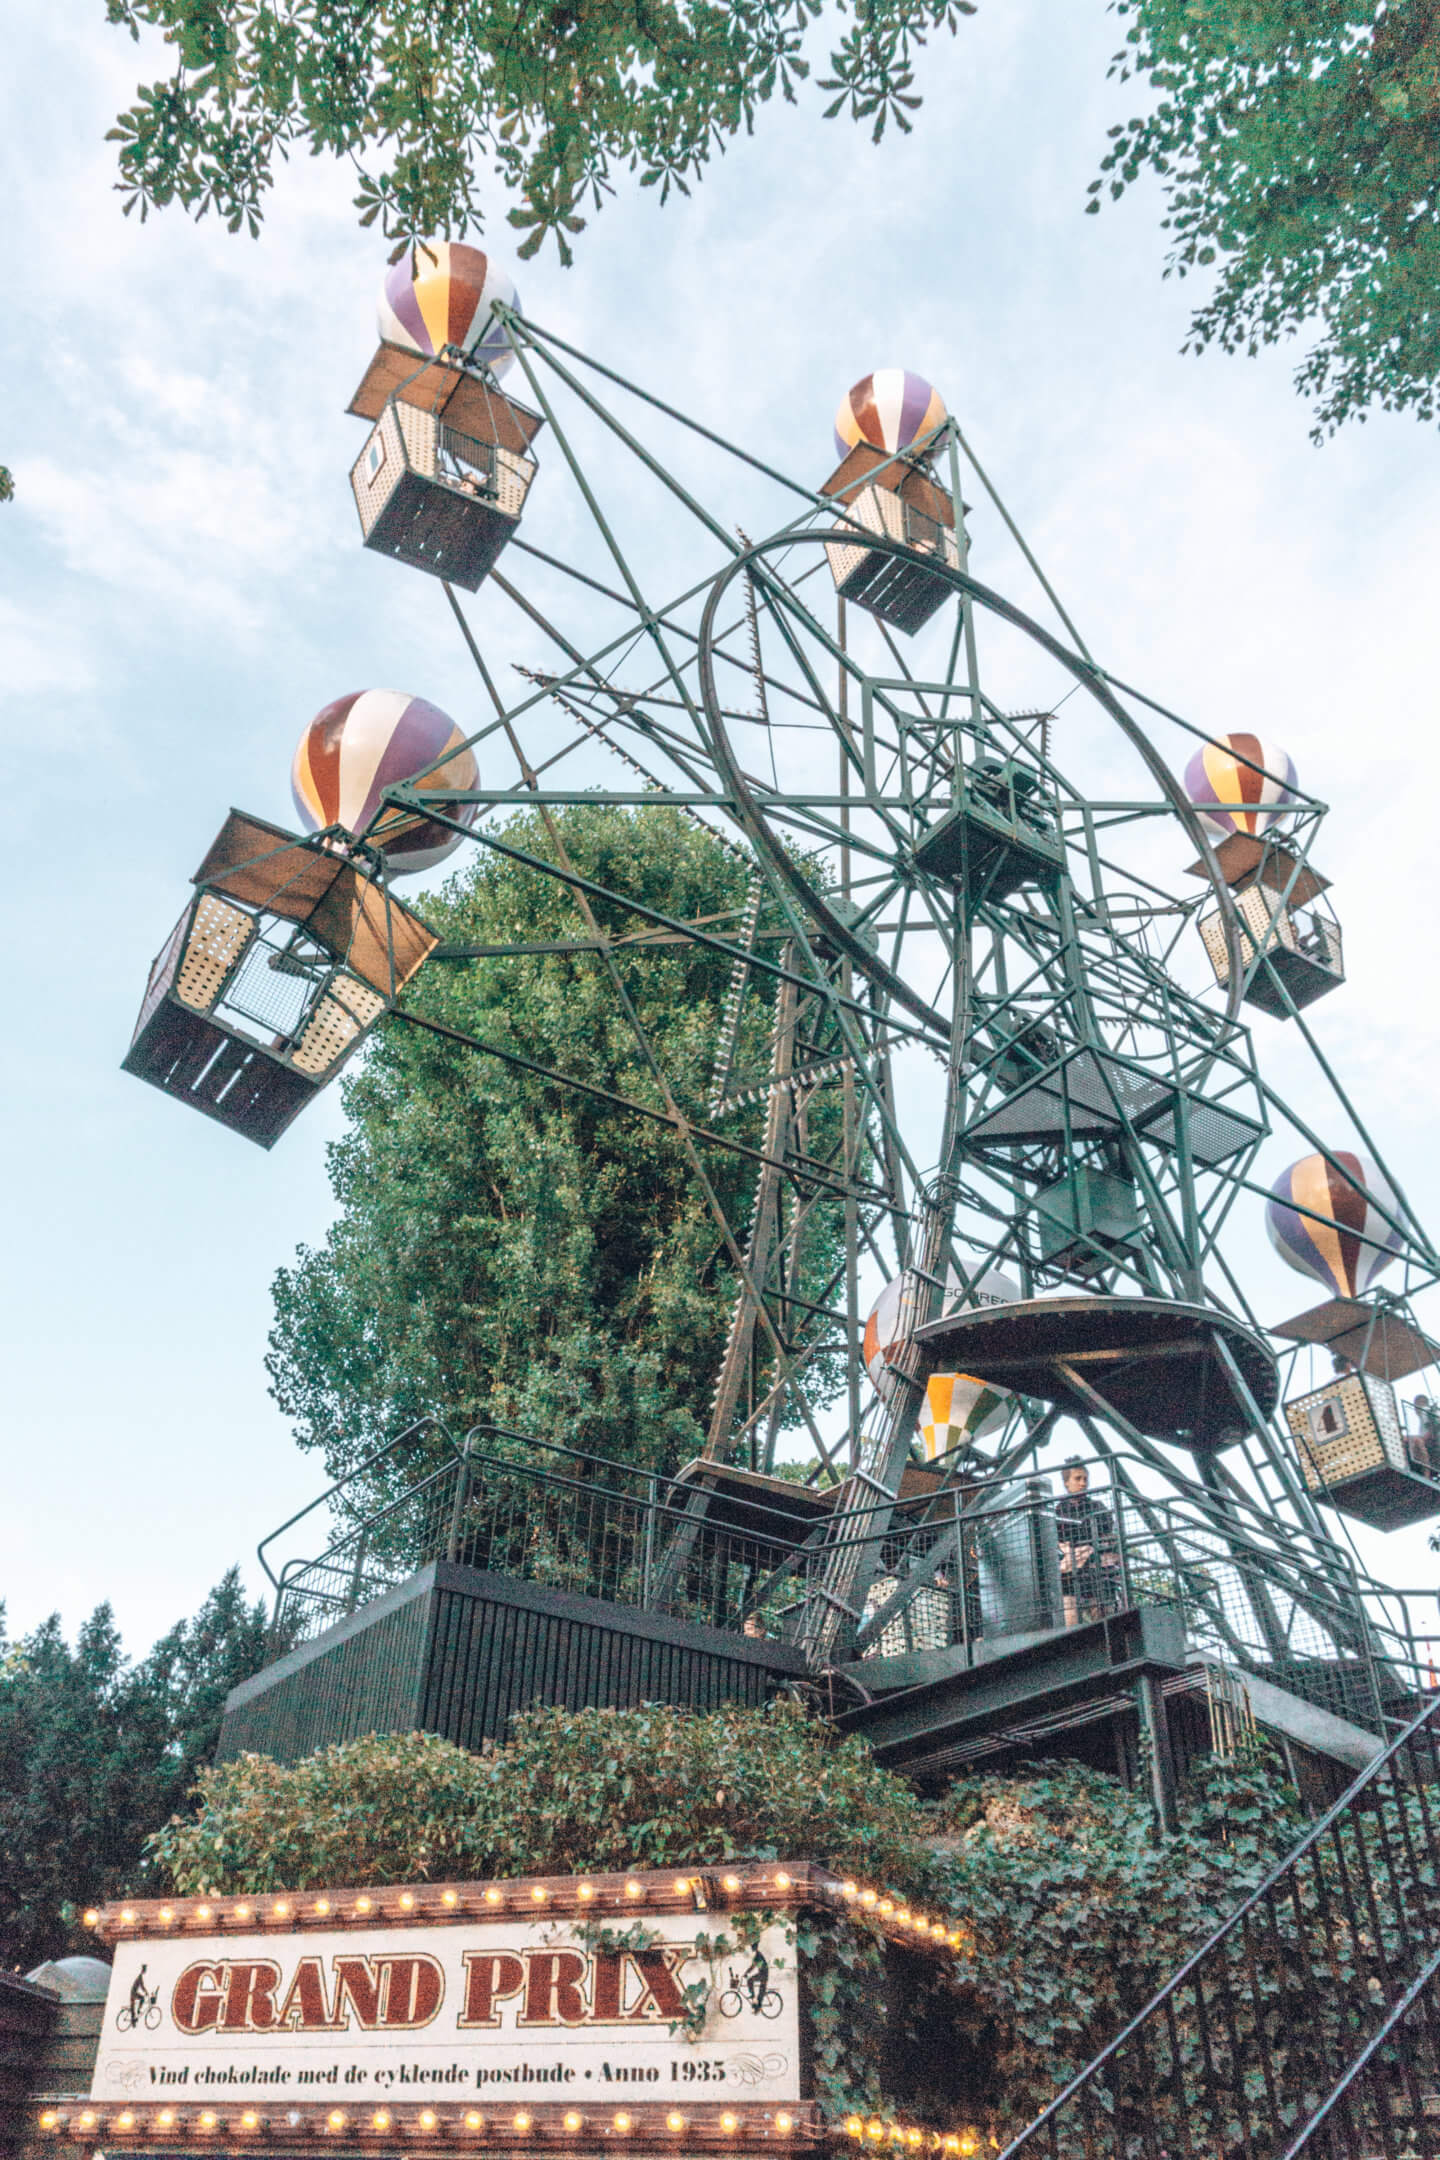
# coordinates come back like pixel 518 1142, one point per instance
pixel 958 1569
pixel 995 1573
pixel 1310 2021
pixel 550 1515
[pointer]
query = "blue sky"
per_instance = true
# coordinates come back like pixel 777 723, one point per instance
pixel 182 586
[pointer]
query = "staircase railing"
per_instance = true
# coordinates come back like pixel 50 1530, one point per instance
pixel 1309 2022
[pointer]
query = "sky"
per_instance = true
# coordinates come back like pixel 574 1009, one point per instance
pixel 182 586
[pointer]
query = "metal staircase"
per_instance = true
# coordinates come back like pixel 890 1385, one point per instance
pixel 1310 2022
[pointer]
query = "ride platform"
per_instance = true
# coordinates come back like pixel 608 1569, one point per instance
pixel 1084 1678
pixel 1169 1370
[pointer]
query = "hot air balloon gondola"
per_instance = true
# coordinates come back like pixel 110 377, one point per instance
pixel 443 477
pixel 1361 1448
pixel 885 433
pixel 274 975
pixel 1243 790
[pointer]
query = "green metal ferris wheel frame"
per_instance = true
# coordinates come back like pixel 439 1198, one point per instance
pixel 813 950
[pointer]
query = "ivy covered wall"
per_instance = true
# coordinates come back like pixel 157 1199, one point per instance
pixel 1073 1910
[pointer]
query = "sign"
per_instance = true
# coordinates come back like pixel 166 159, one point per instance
pixel 510 2011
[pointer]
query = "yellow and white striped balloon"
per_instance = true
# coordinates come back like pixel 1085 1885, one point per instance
pixel 958 1409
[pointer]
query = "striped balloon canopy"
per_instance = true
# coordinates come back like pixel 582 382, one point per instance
pixel 889 410
pixel 958 1408
pixel 361 744
pixel 439 293
pixel 884 1336
pixel 1224 772
pixel 1350 1248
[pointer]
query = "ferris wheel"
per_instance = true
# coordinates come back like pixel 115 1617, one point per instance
pixel 985 1052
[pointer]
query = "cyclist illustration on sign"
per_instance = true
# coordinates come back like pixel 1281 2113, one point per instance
pixel 143 2007
pixel 752 1986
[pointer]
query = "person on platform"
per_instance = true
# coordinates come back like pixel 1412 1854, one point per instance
pixel 1424 1443
pixel 1089 1555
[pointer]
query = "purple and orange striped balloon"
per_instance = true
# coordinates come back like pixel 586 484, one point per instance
pixel 889 410
pixel 439 293
pixel 1225 772
pixel 1348 1249
pixel 359 745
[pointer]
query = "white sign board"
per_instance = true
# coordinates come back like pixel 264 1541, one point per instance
pixel 512 2010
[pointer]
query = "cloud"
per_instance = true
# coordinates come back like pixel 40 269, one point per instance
pixel 37 659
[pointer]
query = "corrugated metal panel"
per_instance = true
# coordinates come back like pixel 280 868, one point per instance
pixel 458 1651
pixel 500 1646
pixel 365 1675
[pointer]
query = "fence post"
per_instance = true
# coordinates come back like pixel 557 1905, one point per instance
pixel 272 1639
pixel 647 1565
pixel 1123 1543
pixel 961 1576
pixel 458 1506
pixel 357 1573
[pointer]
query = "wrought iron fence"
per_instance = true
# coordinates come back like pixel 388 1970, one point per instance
pixel 995 1571
pixel 1309 2022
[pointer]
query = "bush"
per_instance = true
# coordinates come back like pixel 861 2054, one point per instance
pixel 601 1789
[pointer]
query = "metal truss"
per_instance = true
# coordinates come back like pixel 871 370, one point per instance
pixel 969 940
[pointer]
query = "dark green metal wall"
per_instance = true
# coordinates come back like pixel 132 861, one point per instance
pixel 457 1651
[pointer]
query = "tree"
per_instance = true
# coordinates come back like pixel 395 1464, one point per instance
pixel 96 1754
pixel 1298 142
pixel 7 485
pixel 511 1249
pixel 555 99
